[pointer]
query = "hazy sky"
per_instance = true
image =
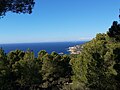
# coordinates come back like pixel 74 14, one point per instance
pixel 60 20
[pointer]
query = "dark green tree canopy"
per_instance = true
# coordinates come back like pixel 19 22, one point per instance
pixel 16 6
pixel 114 31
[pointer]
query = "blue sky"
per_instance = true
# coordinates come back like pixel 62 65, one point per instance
pixel 60 20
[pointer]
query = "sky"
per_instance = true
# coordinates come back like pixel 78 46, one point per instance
pixel 60 20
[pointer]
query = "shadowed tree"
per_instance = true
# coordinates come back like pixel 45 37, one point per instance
pixel 27 72
pixel 16 6
pixel 114 32
pixel 55 71
pixel 5 79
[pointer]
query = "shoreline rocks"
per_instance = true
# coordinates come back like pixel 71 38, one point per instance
pixel 75 49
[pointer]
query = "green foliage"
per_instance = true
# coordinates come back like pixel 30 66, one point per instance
pixel 20 70
pixel 114 32
pixel 14 56
pixel 41 54
pixel 16 6
pixel 55 70
pixel 4 71
pixel 27 71
pixel 97 67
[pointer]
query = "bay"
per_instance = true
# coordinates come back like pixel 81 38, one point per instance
pixel 59 47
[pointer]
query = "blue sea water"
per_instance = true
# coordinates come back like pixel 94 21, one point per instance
pixel 59 47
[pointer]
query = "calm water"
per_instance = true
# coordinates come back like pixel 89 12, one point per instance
pixel 36 47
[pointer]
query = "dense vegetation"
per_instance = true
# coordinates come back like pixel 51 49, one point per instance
pixel 97 67
pixel 22 71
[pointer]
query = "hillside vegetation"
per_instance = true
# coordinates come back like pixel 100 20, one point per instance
pixel 97 67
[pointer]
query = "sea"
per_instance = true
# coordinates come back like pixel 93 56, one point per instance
pixel 59 47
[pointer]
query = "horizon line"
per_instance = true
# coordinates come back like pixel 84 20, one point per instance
pixel 44 42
